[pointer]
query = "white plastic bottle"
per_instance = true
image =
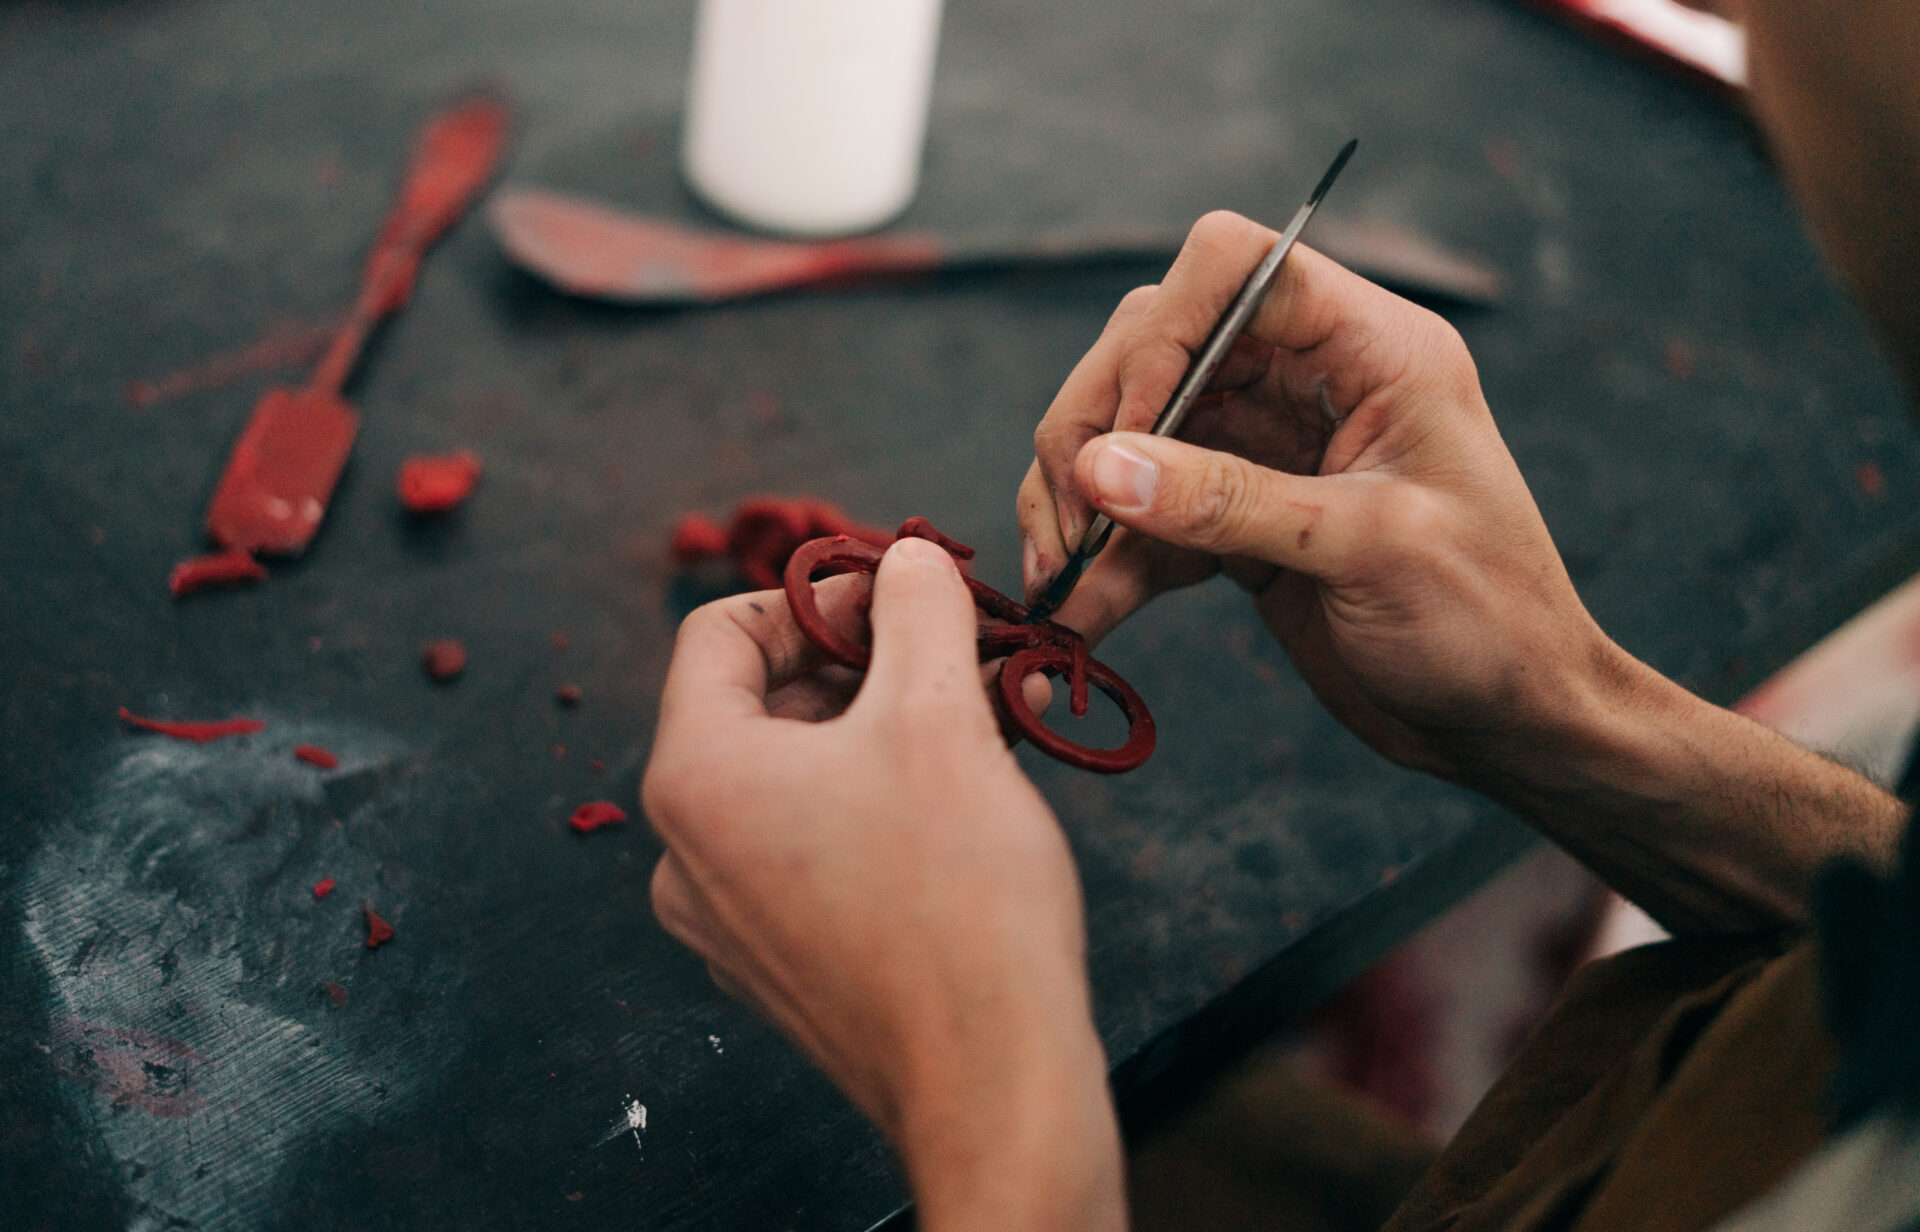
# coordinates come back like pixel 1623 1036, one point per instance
pixel 808 116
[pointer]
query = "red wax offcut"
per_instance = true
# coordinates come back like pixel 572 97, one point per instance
pixel 764 534
pixel 314 755
pixel 227 568
pixel 437 484
pixel 200 732
pixel 591 816
pixel 567 695
pixel 444 659
pixel 335 993
pixel 323 887
pixel 379 932
pixel 274 491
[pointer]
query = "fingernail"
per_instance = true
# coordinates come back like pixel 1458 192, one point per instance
pixel 1029 565
pixel 1124 477
pixel 923 553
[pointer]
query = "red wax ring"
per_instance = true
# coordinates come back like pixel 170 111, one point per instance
pixel 1028 648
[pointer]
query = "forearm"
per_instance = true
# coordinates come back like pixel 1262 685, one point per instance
pixel 1704 818
pixel 1032 1145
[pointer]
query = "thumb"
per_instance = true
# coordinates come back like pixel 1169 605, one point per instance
pixel 924 630
pixel 1217 502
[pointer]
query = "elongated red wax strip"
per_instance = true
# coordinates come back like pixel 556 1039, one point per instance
pixel 379 932
pixel 323 887
pixel 198 731
pixel 437 484
pixel 590 817
pixel 314 755
pixel 227 568
pixel 444 659
pixel 282 470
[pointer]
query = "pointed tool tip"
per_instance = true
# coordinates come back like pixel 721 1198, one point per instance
pixel 1333 172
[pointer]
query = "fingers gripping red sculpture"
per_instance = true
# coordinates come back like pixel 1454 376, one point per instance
pixel 1028 648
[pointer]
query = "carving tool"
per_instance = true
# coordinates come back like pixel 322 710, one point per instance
pixel 1204 365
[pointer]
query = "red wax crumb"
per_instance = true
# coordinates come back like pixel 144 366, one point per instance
pixel 1679 360
pixel 444 659
pixel 589 817
pixel 559 752
pixel 437 484
pixel 1868 476
pixel 558 639
pixel 198 732
pixel 335 992
pixel 567 695
pixel 379 932
pixel 314 755
pixel 597 766
pixel 323 887
pixel 220 569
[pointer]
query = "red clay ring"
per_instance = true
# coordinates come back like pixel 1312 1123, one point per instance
pixel 1141 734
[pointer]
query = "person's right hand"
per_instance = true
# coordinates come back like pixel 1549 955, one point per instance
pixel 1348 473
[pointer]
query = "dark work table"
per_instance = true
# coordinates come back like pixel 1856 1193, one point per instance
pixel 1687 391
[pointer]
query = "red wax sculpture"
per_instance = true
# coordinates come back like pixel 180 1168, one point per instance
pixel 314 755
pixel 764 534
pixel 323 887
pixel 220 569
pixel 444 659
pixel 437 484
pixel 379 932
pixel 590 817
pixel 200 732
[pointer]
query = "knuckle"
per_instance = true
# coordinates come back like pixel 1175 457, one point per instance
pixel 672 905
pixel 1215 500
pixel 1410 518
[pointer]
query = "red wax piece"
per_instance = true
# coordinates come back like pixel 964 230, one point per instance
pixel 764 533
pixel 275 488
pixel 335 993
pixel 567 695
pixel 590 817
pixel 437 484
pixel 596 766
pixel 1870 479
pixel 220 569
pixel 444 659
pixel 323 887
pixel 198 732
pixel 314 755
pixel 379 932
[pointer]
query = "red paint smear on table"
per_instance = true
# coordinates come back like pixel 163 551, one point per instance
pixel 218 569
pixel 284 345
pixel 283 469
pixel 138 1070
pixel 335 993
pixel 314 755
pixel 590 817
pixel 439 483
pixel 567 695
pixel 323 887
pixel 764 534
pixel 200 732
pixel 379 932
pixel 444 659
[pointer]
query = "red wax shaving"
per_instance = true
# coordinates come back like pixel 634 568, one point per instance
pixel 444 659
pixel 323 887
pixel 219 569
pixel 314 755
pixel 1006 632
pixel 283 469
pixel 379 932
pixel 590 817
pixel 200 732
pixel 567 695
pixel 335 993
pixel 437 484
pixel 764 533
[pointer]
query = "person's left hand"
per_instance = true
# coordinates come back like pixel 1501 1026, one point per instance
pixel 892 892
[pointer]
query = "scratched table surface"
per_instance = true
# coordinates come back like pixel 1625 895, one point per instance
pixel 1721 456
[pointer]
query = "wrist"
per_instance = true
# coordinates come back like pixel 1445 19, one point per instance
pixel 1023 1138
